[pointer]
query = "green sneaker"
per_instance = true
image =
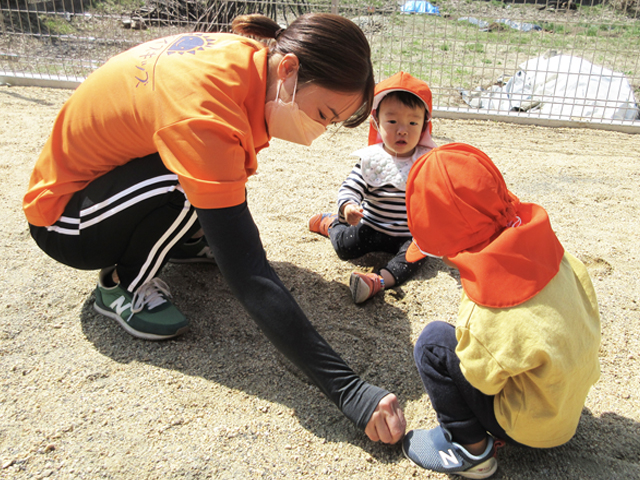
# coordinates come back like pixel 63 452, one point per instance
pixel 196 251
pixel 146 314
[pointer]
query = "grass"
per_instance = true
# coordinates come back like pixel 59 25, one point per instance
pixel 56 25
pixel 117 6
pixel 557 28
pixel 475 47
pixel 451 54
pixel 444 51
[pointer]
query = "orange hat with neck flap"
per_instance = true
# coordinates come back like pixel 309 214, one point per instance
pixel 459 207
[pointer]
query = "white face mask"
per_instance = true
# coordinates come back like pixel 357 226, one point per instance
pixel 287 122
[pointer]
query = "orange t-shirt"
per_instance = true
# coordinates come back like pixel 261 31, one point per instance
pixel 197 99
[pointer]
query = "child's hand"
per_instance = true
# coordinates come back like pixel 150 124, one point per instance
pixel 352 213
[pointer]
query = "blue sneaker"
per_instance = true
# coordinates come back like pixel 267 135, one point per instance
pixel 434 450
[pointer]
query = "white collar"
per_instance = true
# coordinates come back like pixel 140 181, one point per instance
pixel 380 168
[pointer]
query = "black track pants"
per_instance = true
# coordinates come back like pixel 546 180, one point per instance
pixel 130 217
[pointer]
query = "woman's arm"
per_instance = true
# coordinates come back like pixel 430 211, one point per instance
pixel 236 246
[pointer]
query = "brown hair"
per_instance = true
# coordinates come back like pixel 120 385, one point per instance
pixel 409 99
pixel 332 50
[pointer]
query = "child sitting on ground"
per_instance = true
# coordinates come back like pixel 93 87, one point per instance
pixel 524 353
pixel 371 201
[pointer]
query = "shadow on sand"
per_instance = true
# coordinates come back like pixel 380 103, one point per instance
pixel 226 347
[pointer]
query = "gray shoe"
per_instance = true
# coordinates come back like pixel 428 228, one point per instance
pixel 434 450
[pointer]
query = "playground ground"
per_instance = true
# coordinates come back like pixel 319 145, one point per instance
pixel 80 398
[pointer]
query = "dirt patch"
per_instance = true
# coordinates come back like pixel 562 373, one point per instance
pixel 80 398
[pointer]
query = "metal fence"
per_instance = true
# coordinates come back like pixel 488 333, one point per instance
pixel 552 63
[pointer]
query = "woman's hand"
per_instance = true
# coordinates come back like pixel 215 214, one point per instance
pixel 352 213
pixel 387 424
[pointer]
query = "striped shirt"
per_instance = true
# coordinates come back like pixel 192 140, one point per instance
pixel 380 190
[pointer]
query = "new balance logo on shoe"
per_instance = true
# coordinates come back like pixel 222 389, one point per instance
pixel 205 252
pixel 435 450
pixel 448 459
pixel 118 306
pixel 147 314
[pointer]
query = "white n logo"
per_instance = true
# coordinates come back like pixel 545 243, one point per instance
pixel 448 458
pixel 118 306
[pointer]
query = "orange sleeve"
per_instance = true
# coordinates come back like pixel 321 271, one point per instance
pixel 210 158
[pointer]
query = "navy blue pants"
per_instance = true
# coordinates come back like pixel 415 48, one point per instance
pixel 351 242
pixel 462 409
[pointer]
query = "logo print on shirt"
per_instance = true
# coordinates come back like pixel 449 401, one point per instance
pixel 188 43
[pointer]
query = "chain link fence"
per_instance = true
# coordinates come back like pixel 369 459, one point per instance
pixel 559 62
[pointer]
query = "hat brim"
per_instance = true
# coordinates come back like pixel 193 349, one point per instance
pixel 378 98
pixel 414 254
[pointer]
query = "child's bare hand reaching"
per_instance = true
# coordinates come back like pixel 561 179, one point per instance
pixel 352 213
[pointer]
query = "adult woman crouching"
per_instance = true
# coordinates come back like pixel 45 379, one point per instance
pixel 157 145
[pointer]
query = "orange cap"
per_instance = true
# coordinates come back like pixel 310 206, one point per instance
pixel 403 82
pixel 459 207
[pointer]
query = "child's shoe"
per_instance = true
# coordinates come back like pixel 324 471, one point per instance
pixel 192 251
pixel 434 450
pixel 146 314
pixel 365 285
pixel 321 222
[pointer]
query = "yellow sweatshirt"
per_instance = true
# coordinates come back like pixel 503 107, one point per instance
pixel 539 358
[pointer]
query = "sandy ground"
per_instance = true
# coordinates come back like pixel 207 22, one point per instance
pixel 80 398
